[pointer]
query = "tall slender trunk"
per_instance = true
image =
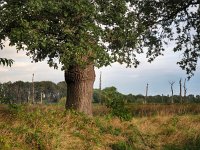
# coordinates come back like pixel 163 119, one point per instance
pixel 172 83
pixel 80 88
pixel 18 93
pixel 41 96
pixel 172 101
pixel 147 87
pixel 185 90
pixel 33 90
pixel 180 83
pixel 100 84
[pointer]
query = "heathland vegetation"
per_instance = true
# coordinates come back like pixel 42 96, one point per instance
pixel 80 35
pixel 119 122
pixel 48 127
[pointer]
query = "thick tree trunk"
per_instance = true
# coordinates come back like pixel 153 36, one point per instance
pixel 80 88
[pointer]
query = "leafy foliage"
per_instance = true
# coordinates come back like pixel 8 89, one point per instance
pixel 6 62
pixel 102 32
pixel 115 101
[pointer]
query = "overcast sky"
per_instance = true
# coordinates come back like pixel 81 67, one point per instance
pixel 127 80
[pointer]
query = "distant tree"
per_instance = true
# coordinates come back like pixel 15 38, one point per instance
pixel 176 98
pixel 140 98
pixel 82 34
pixel 100 86
pixel 180 85
pixel 27 92
pixel 146 93
pixel 62 88
pixel 18 87
pixel 185 90
pixel 7 92
pixel 33 89
pixel 191 98
pixel 1 92
pixel 17 92
pixel 156 99
pixel 96 96
pixel 198 98
pixel 172 90
pixel 130 98
pixel 49 89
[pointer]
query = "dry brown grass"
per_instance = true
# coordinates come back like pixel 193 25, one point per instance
pixel 170 130
pixel 51 128
pixel 147 110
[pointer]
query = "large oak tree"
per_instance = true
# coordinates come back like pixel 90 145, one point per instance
pixel 81 34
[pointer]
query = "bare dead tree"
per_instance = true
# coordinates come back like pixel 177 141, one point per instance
pixel 147 87
pixel 29 95
pixel 185 89
pixel 18 93
pixel 171 85
pixel 100 84
pixel 180 83
pixel 33 90
pixel 41 97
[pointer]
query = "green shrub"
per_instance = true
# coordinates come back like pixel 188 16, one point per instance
pixel 115 101
pixel 122 145
pixel 118 108
pixel 15 108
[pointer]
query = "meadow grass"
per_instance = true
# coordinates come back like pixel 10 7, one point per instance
pixel 156 109
pixel 43 127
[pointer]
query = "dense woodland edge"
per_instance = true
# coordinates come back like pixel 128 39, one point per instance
pixel 50 92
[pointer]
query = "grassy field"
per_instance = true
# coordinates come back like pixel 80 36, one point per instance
pixel 153 127
pixel 147 110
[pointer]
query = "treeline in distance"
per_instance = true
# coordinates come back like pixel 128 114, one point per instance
pixel 50 92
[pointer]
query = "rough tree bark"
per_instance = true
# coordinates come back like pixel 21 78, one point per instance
pixel 80 88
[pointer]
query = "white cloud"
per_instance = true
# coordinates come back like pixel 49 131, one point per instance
pixel 127 80
pixel 22 69
pixel 2 69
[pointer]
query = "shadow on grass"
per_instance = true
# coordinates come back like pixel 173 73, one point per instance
pixel 190 144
